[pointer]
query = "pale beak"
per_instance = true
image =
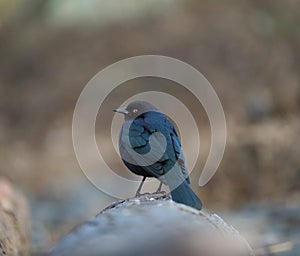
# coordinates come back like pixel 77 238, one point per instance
pixel 121 110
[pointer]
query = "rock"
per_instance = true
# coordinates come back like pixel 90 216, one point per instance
pixel 153 225
pixel 14 221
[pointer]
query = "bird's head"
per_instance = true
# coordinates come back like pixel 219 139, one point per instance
pixel 135 109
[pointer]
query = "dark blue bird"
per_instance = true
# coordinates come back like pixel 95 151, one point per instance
pixel 149 146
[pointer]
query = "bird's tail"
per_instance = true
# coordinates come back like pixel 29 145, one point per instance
pixel 185 195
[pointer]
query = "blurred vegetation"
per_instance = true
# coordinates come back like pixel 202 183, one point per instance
pixel 248 50
pixel 7 8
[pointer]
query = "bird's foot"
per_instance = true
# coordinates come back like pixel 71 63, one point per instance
pixel 161 192
pixel 142 194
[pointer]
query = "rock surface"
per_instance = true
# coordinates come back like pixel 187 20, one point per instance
pixel 153 225
pixel 14 221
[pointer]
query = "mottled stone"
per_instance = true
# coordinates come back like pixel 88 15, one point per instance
pixel 14 221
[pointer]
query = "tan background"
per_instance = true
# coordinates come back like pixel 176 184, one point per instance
pixel 248 50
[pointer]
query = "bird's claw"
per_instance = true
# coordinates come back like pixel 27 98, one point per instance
pixel 149 194
pixel 161 192
pixel 142 194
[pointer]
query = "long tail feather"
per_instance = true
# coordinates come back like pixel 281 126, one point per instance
pixel 184 194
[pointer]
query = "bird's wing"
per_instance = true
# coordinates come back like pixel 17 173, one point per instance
pixel 139 140
pixel 170 133
pixel 179 154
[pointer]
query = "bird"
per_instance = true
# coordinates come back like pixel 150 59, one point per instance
pixel 149 146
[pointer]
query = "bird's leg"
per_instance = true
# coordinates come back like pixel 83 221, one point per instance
pixel 159 191
pixel 159 187
pixel 138 192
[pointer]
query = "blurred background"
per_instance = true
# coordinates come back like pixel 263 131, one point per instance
pixel 248 50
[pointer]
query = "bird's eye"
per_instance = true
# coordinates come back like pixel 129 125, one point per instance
pixel 135 110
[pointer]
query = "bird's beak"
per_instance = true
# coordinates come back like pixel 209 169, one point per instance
pixel 121 110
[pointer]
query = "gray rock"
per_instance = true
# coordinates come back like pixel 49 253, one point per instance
pixel 153 225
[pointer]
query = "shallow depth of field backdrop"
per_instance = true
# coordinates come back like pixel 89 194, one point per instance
pixel 248 50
